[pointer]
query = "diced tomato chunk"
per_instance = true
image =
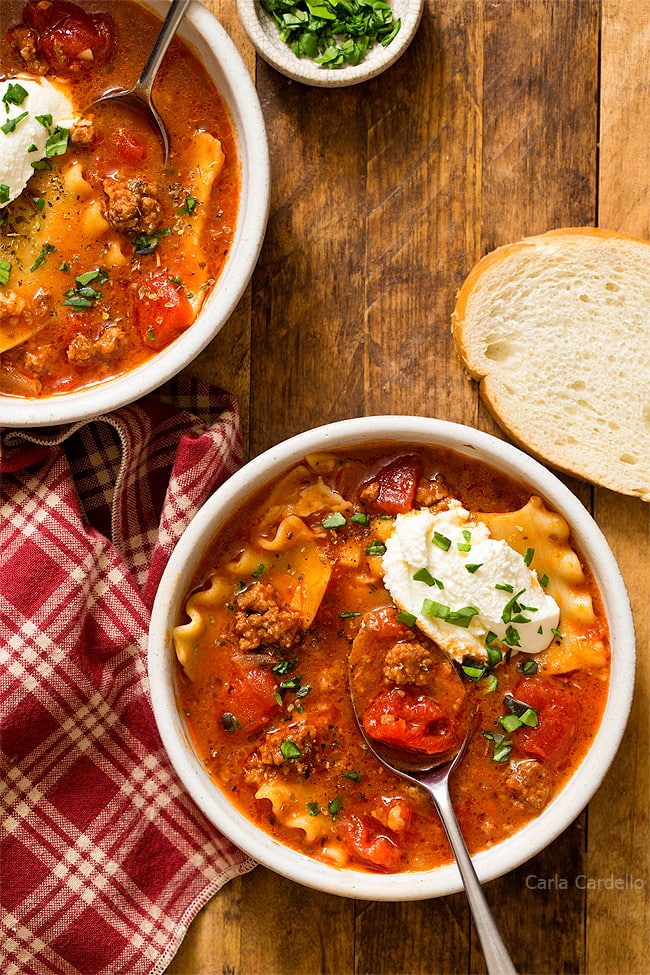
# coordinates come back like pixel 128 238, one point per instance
pixel 404 718
pixel 40 16
pixel 557 715
pixel 370 846
pixel 250 698
pixel 385 624
pixel 398 482
pixel 128 147
pixel 161 310
pixel 68 36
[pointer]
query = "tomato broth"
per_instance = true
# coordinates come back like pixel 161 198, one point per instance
pixel 281 599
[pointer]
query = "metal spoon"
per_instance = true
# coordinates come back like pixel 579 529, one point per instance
pixel 432 772
pixel 139 96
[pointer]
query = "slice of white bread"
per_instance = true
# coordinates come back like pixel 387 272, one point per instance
pixel 556 329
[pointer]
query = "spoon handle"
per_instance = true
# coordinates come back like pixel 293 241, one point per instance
pixel 497 959
pixel 175 14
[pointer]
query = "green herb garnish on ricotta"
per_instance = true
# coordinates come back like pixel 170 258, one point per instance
pixel 490 592
pixel 34 125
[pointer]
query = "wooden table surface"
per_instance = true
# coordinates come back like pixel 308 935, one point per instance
pixel 504 118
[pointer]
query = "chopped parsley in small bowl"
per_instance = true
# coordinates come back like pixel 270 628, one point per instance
pixel 330 43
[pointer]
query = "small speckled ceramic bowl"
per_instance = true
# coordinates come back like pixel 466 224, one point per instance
pixel 178 577
pixel 265 36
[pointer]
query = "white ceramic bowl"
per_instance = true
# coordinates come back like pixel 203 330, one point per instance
pixel 502 857
pixel 226 67
pixel 265 37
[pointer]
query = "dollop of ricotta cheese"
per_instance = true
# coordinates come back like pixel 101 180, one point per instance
pixel 31 110
pixel 463 587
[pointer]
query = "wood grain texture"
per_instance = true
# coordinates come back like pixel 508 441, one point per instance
pixel 619 837
pixel 504 118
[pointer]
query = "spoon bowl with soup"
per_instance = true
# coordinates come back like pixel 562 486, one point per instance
pixel 413 712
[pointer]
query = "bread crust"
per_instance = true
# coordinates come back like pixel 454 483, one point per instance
pixel 614 450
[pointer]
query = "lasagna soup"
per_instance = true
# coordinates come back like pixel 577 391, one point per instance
pixel 106 253
pixel 302 578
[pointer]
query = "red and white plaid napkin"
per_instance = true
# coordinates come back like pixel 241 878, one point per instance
pixel 104 859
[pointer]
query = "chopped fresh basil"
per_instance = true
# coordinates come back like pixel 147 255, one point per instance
pixel 313 809
pixel 333 33
pixel 5 271
pixel 512 610
pixel 77 301
pixel 501 747
pixel 473 567
pixel 15 94
pixel 42 256
pixel 459 617
pixel 353 776
pixel 284 666
pixel 290 750
pixel 509 723
pixel 528 667
pixel 360 518
pixel 511 637
pixel 291 684
pixel 334 806
pixel 5 193
pixel 423 575
pixel 495 655
pixel 189 206
pixel 259 571
pixel 10 124
pixel 83 295
pixel 463 616
pixel 491 683
pixel 467 544
pixel 146 243
pixel 230 722
pixel 57 143
pixel 408 619
pixel 473 669
pixel 45 120
pixel 524 712
pixel 441 541
pixel 335 520
pixel 430 607
pixel 376 548
pixel 512 606
pixel 88 276
pixel 39 203
pixel 89 292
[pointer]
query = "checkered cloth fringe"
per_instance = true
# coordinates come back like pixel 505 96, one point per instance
pixel 104 859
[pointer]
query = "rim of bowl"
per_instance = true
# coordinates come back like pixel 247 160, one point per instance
pixel 265 38
pixel 201 29
pixel 509 853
